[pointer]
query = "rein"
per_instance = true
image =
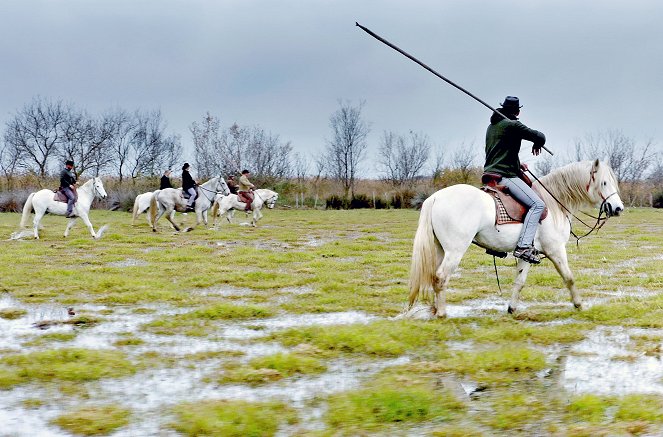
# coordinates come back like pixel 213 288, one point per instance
pixel 600 221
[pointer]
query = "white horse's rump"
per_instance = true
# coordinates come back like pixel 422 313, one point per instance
pixel 262 197
pixel 142 204
pixel 455 217
pixel 42 202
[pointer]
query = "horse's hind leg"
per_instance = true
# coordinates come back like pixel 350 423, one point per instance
pixel 170 218
pixel 518 284
pixel 561 263
pixel 37 219
pixel 444 271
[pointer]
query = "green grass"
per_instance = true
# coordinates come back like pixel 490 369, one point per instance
pixel 304 261
pixel 94 420
pixel 231 418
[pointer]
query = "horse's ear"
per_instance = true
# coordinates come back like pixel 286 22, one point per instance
pixel 596 164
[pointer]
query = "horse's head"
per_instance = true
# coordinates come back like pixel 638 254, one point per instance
pixel 271 201
pixel 603 189
pixel 222 186
pixel 98 188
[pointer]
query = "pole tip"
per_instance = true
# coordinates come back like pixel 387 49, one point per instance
pixel 356 24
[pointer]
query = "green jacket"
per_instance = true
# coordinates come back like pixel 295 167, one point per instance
pixel 503 139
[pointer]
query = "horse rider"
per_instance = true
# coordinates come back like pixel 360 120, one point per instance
pixel 189 186
pixel 232 184
pixel 245 189
pixel 503 139
pixel 68 186
pixel 165 180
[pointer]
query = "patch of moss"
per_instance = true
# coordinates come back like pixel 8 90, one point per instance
pixel 94 420
pixel 50 337
pixel 386 404
pixel 272 367
pixel 380 338
pixel 231 418
pixel 63 364
pixel 12 313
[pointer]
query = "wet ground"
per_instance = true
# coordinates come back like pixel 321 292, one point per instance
pixel 603 363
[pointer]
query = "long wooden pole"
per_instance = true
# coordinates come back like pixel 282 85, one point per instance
pixel 409 56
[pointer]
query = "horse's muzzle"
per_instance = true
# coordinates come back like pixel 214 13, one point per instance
pixel 610 211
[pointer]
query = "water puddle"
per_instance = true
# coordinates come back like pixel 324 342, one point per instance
pixel 129 262
pixel 603 364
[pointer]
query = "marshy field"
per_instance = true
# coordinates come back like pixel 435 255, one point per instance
pixel 292 328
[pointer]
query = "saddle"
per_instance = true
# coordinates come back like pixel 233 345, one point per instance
pixel 59 195
pixel 508 210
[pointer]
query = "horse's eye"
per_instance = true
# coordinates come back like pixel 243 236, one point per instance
pixel 605 183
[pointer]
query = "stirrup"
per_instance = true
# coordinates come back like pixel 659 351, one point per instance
pixel 529 254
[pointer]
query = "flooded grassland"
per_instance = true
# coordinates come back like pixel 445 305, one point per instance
pixel 292 328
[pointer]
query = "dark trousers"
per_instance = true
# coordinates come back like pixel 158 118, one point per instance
pixel 71 199
pixel 246 197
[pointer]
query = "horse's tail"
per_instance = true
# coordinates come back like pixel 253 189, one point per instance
pixel 215 210
pixel 135 211
pixel 153 211
pixel 424 254
pixel 27 209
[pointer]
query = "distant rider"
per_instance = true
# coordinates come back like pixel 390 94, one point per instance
pixel 245 189
pixel 165 180
pixel 503 139
pixel 188 185
pixel 232 184
pixel 68 186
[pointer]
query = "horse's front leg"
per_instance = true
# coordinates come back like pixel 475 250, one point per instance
pixel 518 284
pixel 87 222
pixel 205 217
pixel 561 263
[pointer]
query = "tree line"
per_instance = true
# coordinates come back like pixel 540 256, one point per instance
pixel 128 145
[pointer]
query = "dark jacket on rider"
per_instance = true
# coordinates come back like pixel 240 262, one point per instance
pixel 503 139
pixel 165 182
pixel 187 180
pixel 67 178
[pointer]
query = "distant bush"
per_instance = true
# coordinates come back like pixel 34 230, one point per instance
pixel 360 201
pixel 13 201
pixel 337 202
pixel 658 200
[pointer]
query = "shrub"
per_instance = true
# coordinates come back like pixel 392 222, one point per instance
pixel 337 202
pixel 658 200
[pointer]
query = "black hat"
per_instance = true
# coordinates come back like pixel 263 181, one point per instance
pixel 69 162
pixel 185 166
pixel 245 171
pixel 511 102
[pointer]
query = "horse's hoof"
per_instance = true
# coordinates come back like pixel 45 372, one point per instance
pixel 577 305
pixel 154 230
pixel 510 310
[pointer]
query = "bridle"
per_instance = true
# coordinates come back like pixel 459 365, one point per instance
pixel 225 191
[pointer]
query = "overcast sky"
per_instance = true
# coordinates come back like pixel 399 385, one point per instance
pixel 579 67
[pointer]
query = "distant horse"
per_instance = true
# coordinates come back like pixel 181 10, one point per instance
pixel 262 197
pixel 207 192
pixel 455 217
pixel 142 204
pixel 42 202
pixel 170 199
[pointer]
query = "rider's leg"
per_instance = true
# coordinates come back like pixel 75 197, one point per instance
pixel 71 199
pixel 192 197
pixel 535 206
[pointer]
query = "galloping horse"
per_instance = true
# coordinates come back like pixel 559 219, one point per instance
pixel 263 196
pixel 455 217
pixel 42 201
pixel 170 199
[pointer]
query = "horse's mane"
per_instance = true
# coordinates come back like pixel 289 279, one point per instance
pixel 569 186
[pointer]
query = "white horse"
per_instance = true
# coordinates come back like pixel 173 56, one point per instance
pixel 262 196
pixel 455 217
pixel 207 193
pixel 169 200
pixel 42 202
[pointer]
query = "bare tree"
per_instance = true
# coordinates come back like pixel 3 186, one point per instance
pixel 85 140
pixel 269 157
pixel 9 162
pixel 207 143
pixel 149 145
pixel 347 148
pixel 401 158
pixel 463 160
pixel 122 126
pixel 36 132
pixel 629 161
